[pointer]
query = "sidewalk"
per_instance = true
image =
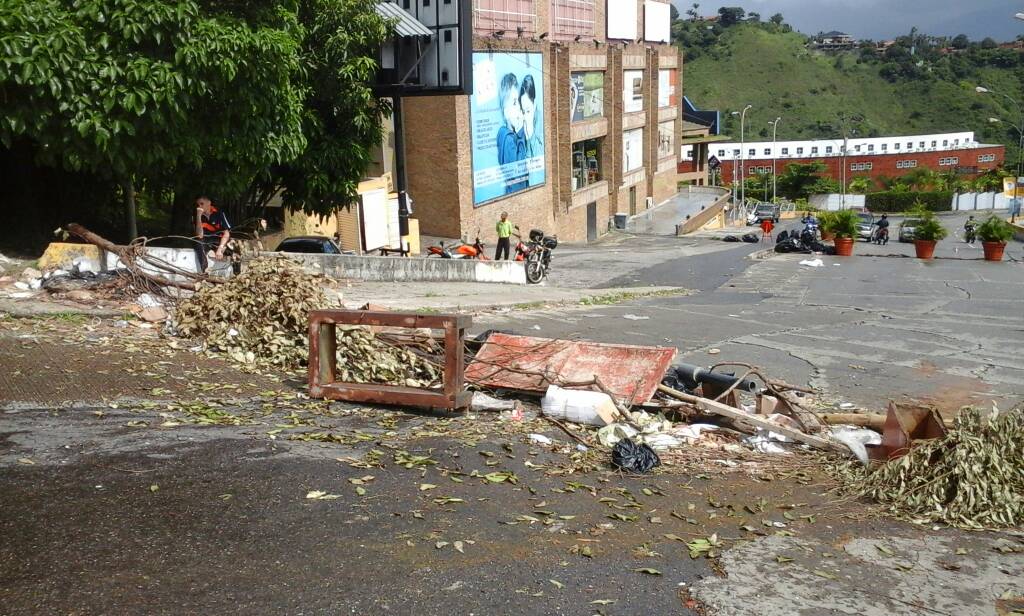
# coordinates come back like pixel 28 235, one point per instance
pixel 478 296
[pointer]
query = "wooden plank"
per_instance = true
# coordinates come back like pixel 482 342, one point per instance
pixel 745 420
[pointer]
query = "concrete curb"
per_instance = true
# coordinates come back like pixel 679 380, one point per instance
pixel 761 255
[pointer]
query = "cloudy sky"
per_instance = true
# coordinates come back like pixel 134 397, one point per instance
pixel 883 19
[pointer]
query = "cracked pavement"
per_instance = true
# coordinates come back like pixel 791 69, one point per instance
pixel 862 330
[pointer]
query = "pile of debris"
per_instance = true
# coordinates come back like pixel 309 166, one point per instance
pixel 259 316
pixel 973 477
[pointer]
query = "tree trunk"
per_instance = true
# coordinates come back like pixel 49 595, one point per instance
pixel 129 204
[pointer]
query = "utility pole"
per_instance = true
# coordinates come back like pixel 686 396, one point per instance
pixel 775 128
pixel 743 155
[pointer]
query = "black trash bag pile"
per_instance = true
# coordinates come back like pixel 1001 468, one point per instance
pixel 730 238
pixel 634 457
pixel 751 238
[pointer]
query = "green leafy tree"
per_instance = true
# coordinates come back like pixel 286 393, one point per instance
pixel 145 90
pixel 800 180
pixel 730 15
pixel 860 185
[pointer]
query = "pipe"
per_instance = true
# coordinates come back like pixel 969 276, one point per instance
pixel 693 375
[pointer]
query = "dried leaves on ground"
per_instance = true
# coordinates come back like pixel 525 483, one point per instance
pixel 971 478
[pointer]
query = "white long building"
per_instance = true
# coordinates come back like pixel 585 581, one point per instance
pixel 860 146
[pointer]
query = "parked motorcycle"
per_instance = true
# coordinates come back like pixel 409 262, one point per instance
pixel 461 250
pixel 536 253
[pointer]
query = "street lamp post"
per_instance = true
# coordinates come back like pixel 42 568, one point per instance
pixel 1019 127
pixel 775 127
pixel 743 155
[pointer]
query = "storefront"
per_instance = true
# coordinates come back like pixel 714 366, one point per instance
pixel 586 163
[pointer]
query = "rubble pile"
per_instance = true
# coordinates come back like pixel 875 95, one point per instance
pixel 260 316
pixel 971 478
pixel 363 357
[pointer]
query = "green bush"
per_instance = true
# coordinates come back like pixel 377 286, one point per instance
pixel 842 223
pixel 890 201
pixel 930 229
pixel 995 229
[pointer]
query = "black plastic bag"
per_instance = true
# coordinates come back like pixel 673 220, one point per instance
pixel 782 237
pixel 751 238
pixel 730 238
pixel 634 457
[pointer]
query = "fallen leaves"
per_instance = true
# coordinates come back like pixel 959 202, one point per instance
pixel 321 495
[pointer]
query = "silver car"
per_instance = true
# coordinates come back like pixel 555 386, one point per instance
pixel 908 229
pixel 865 226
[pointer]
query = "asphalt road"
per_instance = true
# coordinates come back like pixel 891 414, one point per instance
pixel 864 329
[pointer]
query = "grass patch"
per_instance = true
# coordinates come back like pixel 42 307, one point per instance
pixel 618 297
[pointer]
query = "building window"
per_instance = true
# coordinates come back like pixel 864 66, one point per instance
pixel 956 142
pixel 721 153
pixel 906 164
pixel 935 143
pixel 949 162
pixel 751 152
pixel 987 158
pixel 861 166
pixel 945 143
pixel 667 86
pixel 785 151
pixel 586 95
pixel 504 15
pixel 885 146
pixel 910 145
pixel 814 150
pixel 735 153
pixel 857 148
pixel 632 149
pixel 633 91
pixel 921 145
pixel 871 147
pixel 895 146
pixel 666 139
pixel 828 149
pixel 586 162
pixel 799 151
pixel 767 151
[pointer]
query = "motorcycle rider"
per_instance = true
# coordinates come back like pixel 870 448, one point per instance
pixel 882 232
pixel 970 229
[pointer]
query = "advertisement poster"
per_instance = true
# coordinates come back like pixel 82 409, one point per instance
pixel 586 95
pixel 507 124
pixel 667 88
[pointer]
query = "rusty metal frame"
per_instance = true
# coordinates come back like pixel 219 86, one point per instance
pixel 323 344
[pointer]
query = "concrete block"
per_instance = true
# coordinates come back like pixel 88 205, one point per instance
pixel 412 269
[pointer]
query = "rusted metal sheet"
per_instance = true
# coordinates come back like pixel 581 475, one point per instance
pixel 525 363
pixel 902 427
pixel 323 359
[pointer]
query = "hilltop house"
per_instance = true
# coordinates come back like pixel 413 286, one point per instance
pixel 834 41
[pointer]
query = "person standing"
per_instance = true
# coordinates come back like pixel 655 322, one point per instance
pixel 212 230
pixel 504 229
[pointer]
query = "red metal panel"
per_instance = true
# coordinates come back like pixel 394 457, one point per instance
pixel 531 364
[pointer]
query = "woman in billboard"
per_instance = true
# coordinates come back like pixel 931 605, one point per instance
pixel 528 105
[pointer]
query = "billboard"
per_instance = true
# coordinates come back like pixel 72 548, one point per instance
pixel 506 123
pixel 586 95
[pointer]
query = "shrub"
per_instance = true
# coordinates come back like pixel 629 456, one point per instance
pixel 842 223
pixel 995 229
pixel 930 229
pixel 891 201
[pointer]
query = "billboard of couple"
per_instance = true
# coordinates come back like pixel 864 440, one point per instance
pixel 507 120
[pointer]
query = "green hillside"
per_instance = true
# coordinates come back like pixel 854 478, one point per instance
pixel 895 93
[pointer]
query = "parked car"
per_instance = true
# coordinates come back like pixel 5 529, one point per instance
pixel 908 229
pixel 309 244
pixel 865 226
pixel 765 211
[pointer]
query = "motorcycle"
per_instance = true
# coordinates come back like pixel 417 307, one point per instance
pixel 880 236
pixel 970 233
pixel 536 253
pixel 459 251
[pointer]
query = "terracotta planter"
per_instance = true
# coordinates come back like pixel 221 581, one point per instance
pixel 925 248
pixel 844 246
pixel 993 250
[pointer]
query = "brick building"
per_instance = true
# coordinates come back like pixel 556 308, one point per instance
pixel 876 157
pixel 594 131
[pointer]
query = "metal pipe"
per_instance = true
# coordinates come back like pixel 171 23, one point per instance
pixel 692 376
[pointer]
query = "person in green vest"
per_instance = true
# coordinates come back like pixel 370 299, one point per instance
pixel 504 229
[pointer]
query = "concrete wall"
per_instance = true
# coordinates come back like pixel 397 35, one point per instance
pixel 412 269
pixel 834 202
pixel 705 216
pixel 981 201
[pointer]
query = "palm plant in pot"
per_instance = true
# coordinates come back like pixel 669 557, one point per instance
pixel 927 234
pixel 994 233
pixel 843 224
pixel 826 234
